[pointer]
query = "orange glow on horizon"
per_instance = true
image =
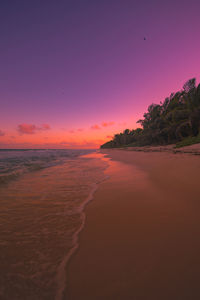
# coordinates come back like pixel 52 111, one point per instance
pixel 46 136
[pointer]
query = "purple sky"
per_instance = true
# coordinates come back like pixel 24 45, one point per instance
pixel 75 64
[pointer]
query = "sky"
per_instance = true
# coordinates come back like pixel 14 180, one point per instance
pixel 74 73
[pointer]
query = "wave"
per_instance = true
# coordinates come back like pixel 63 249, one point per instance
pixel 17 162
pixel 41 219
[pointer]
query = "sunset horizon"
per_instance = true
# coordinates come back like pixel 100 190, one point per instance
pixel 89 71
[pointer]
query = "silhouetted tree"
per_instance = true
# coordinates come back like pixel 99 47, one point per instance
pixel 168 122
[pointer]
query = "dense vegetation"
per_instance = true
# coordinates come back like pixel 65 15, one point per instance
pixel 172 121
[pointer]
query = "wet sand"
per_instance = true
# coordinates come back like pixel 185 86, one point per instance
pixel 141 237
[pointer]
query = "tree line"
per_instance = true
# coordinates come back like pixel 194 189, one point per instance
pixel 171 121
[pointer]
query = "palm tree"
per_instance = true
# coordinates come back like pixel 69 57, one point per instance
pixel 168 122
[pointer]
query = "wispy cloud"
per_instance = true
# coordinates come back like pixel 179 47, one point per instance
pixel 31 128
pixel 64 143
pixel 95 127
pixel 103 124
pixel 83 144
pixel 2 133
pixel 106 124
pixel 45 127
pixel 109 137
pixel 75 130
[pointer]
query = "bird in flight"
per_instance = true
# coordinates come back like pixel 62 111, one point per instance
pixel 144 39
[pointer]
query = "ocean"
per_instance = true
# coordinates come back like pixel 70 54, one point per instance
pixel 43 194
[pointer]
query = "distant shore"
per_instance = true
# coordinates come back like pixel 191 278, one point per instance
pixel 141 240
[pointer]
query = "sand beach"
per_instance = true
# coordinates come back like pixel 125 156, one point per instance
pixel 141 235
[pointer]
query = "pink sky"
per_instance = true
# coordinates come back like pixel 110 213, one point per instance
pixel 74 73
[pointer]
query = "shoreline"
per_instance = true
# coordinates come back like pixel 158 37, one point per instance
pixel 191 149
pixel 40 227
pixel 61 276
pixel 140 239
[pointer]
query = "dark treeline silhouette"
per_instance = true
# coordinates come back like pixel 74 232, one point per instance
pixel 171 121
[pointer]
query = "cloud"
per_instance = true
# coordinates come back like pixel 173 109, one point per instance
pixel 27 128
pixel 103 124
pixel 95 127
pixel 76 130
pixel 45 127
pixel 109 137
pixel 31 128
pixel 64 143
pixel 106 124
pixel 83 144
pixel 2 133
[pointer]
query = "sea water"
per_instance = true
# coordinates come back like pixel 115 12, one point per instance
pixel 42 196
